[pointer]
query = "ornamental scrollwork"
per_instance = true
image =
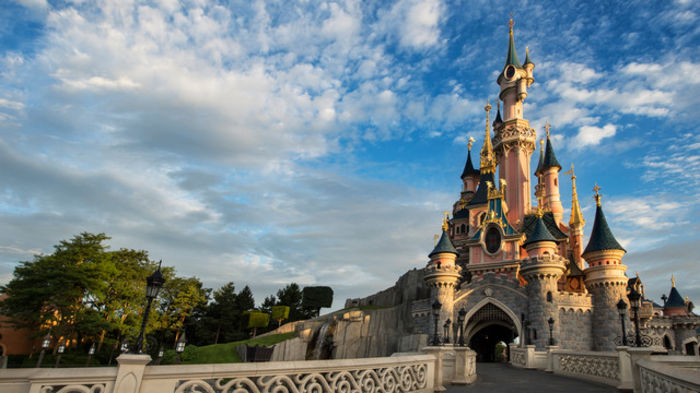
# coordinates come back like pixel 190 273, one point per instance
pixel 596 366
pixel 403 379
pixel 87 388
pixel 653 382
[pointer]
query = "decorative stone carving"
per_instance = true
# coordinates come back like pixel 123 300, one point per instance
pixel 405 379
pixel 88 388
pixel 594 366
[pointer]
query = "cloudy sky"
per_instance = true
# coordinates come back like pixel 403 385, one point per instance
pixel 319 142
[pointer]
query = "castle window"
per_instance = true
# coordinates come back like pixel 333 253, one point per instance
pixel 549 296
pixel 667 343
pixel 492 240
pixel 463 229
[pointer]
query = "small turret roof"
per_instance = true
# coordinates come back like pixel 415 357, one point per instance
pixel 540 234
pixel 444 245
pixel 481 196
pixel 674 299
pixel 469 167
pixel 527 56
pixel 601 236
pixel 512 57
pixel 530 220
pixel 498 119
pixel 550 160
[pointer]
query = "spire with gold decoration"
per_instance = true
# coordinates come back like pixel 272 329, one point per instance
pixel 576 220
pixel 488 159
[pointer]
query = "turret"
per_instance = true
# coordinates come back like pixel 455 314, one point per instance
pixel 674 303
pixel 605 280
pixel 542 270
pixel 442 275
pixel 514 140
pixel 550 176
pixel 470 176
pixel 576 224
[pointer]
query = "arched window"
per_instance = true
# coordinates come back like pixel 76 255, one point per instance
pixel 667 343
pixel 549 296
pixel 462 230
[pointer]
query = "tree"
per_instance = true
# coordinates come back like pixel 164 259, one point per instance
pixel 291 296
pixel 50 291
pixel 268 303
pixel 279 314
pixel 226 313
pixel 178 298
pixel 257 319
pixel 315 298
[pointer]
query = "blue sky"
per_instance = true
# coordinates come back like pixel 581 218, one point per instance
pixel 319 142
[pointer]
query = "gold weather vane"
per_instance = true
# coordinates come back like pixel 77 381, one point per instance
pixel 470 142
pixel 546 128
pixel 596 189
pixel 445 226
pixel 511 23
pixel 571 172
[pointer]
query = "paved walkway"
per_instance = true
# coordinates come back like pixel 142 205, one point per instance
pixel 503 378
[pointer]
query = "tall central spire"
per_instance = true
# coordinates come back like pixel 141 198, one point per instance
pixel 512 57
pixel 488 161
pixel 576 215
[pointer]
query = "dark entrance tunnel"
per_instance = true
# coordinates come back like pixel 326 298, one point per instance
pixel 484 342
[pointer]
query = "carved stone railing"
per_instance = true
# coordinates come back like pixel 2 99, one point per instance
pixel 401 374
pixel 668 377
pixel 597 366
pixel 518 356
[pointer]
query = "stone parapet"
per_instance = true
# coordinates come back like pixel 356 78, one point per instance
pixel 575 301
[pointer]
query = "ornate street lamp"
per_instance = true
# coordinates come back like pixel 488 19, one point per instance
pixel 446 329
pixel 61 348
pixel 460 319
pixel 180 346
pixel 635 300
pixel 91 352
pixel 622 309
pixel 153 285
pixel 550 321
pixel 436 315
pixel 44 346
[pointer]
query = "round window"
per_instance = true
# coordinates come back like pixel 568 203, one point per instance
pixel 493 240
pixel 510 72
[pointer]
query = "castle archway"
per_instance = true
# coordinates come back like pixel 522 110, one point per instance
pixel 488 327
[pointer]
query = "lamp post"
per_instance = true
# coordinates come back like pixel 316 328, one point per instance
pixel 446 329
pixel 153 285
pixel 180 346
pixel 550 321
pixel 460 320
pixel 44 345
pixel 61 348
pixel 622 309
pixel 91 352
pixel 436 315
pixel 635 298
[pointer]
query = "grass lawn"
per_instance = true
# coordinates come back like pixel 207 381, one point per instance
pixel 222 353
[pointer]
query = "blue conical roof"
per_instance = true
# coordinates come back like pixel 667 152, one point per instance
pixel 674 299
pixel 469 167
pixel 498 119
pixel 540 163
pixel 550 160
pixel 444 245
pixel 540 234
pixel 601 236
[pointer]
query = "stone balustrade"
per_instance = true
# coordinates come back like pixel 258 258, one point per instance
pixel 399 374
pixel 662 376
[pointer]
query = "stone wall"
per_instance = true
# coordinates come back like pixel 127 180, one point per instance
pixel 606 318
pixel 575 332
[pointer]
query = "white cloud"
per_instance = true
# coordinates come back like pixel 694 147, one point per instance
pixel 414 22
pixel 591 135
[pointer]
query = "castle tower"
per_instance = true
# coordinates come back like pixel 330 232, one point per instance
pixel 576 223
pixel 550 177
pixel 605 280
pixel 514 140
pixel 442 275
pixel 539 188
pixel 542 270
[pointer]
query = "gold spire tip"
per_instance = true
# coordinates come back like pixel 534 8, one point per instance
pixel 511 23
pixel 487 108
pixel 470 142
pixel 597 195
pixel 673 281
pixel 445 225
pixel 541 143
pixel 546 128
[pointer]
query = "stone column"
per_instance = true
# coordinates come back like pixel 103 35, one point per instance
pixel 465 366
pixel 130 373
pixel 607 284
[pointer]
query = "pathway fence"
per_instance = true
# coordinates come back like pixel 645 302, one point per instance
pixel 627 368
pixel 401 374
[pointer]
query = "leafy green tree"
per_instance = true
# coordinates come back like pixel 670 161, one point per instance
pixel 279 314
pixel 178 299
pixel 291 296
pixel 257 319
pixel 268 303
pixel 315 298
pixel 50 291
pixel 226 312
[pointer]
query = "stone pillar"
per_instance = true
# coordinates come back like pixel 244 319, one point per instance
pixel 130 373
pixel 437 352
pixel 465 366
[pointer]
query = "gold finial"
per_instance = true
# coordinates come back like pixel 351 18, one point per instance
pixel 597 195
pixel 576 215
pixel 435 239
pixel 539 212
pixel 511 23
pixel 527 51
pixel 546 128
pixel 470 142
pixel 541 143
pixel 445 225
pixel 488 162
pixel 673 281
pixel 487 108
pixel 637 273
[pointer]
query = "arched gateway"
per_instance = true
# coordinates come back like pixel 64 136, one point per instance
pixel 488 324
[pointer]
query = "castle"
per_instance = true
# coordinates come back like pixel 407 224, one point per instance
pixel 510 267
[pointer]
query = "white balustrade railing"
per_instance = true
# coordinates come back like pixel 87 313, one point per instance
pixel 658 377
pixel 597 366
pixel 400 374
